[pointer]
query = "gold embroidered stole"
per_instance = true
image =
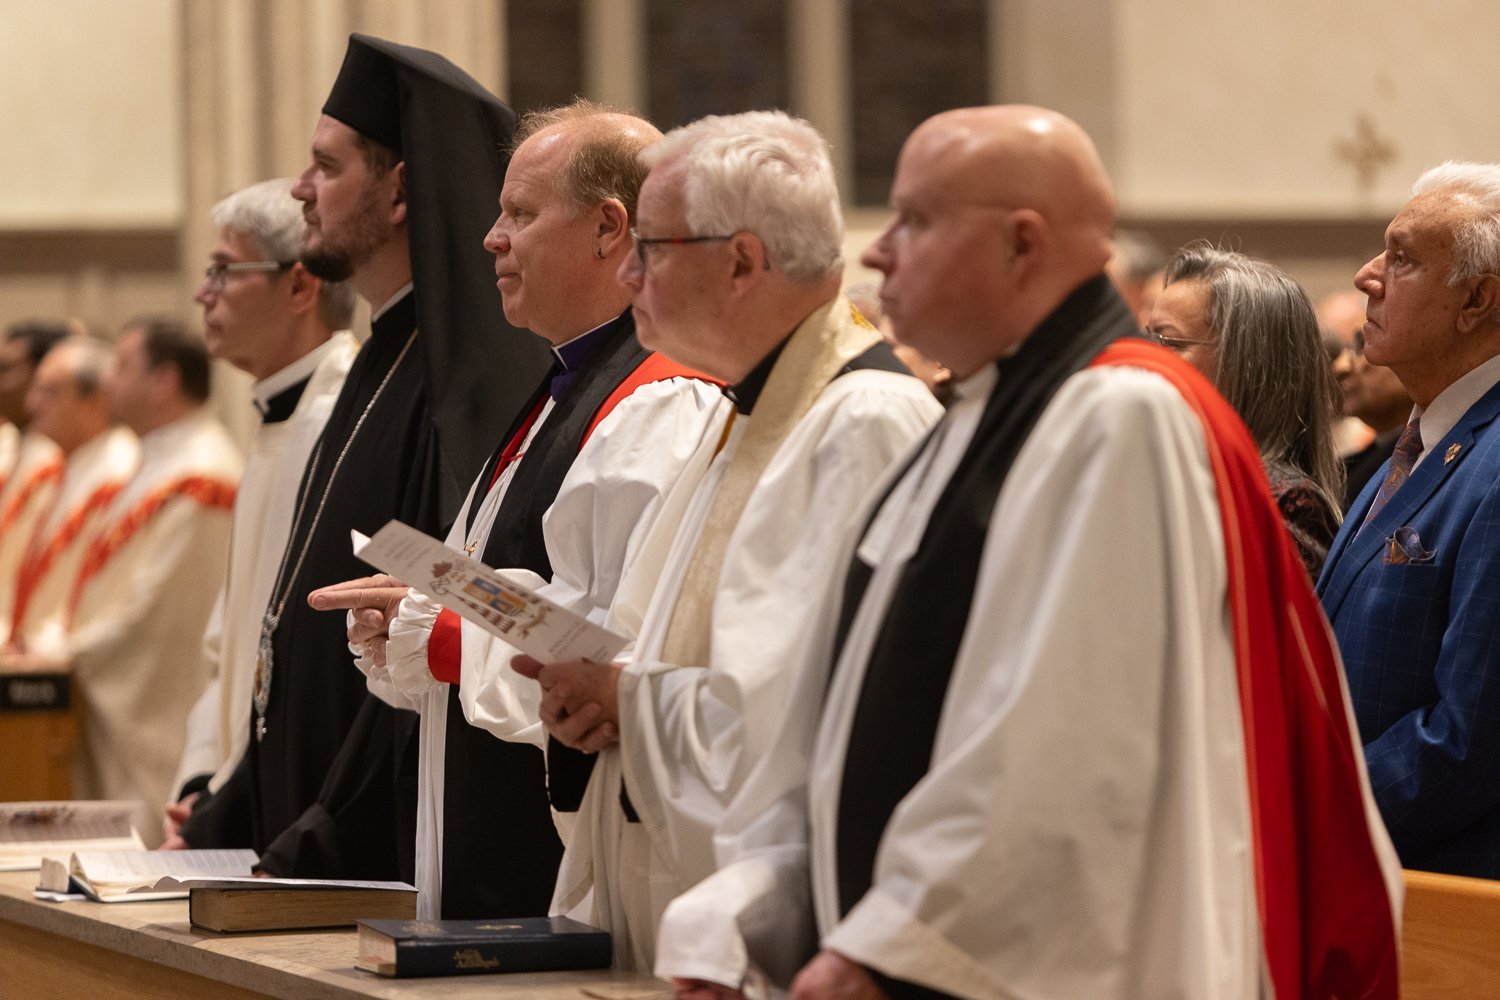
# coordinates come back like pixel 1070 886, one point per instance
pixel 826 341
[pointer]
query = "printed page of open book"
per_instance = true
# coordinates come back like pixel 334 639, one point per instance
pixel 500 602
pixel 110 875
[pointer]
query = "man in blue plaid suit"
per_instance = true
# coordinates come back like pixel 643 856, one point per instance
pixel 1412 583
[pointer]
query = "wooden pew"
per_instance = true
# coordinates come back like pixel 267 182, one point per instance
pixel 1450 938
pixel 38 734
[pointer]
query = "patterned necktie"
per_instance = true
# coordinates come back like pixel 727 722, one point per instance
pixel 1402 460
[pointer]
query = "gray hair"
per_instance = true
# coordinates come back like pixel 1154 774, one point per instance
pixel 1139 255
pixel 1271 365
pixel 272 218
pixel 1476 240
pixel 767 173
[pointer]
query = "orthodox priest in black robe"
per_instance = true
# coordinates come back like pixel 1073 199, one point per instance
pixel 408 160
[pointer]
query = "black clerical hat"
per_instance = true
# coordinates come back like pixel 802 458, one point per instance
pixel 364 96
pixel 454 137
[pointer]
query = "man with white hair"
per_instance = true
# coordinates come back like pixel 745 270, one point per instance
pixel 271 318
pixel 1082 732
pixel 736 273
pixel 1411 582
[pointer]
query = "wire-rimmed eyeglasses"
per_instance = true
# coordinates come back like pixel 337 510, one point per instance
pixel 1177 343
pixel 217 273
pixel 641 242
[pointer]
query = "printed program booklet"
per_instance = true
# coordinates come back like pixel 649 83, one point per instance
pixel 495 601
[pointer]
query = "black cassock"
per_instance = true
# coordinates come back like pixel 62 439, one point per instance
pixel 330 789
pixel 500 847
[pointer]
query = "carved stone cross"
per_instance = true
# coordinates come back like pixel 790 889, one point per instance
pixel 1368 153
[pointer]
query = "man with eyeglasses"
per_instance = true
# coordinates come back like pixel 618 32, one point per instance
pixel 737 271
pixel 270 317
pixel 1079 732
pixel 406 161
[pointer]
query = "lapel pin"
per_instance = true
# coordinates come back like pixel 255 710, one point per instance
pixel 1453 450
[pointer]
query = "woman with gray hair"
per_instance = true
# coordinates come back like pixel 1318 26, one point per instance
pixel 1250 328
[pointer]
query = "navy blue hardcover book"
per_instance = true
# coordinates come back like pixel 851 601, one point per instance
pixel 461 947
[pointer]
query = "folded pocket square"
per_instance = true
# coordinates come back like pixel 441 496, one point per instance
pixel 1405 547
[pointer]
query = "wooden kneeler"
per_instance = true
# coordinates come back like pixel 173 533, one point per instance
pixel 1450 937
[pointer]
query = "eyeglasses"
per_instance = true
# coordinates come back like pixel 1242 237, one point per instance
pixel 1177 343
pixel 216 274
pixel 641 243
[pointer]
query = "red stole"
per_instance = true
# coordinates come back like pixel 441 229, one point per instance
pixel 50 472
pixel 444 645
pixel 203 490
pixel 1327 926
pixel 42 553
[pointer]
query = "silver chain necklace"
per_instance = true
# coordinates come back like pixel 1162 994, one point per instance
pixel 283 585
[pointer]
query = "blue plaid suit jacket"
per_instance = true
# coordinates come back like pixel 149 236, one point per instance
pixel 1418 626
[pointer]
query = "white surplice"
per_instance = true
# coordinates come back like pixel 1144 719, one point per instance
pixel 1083 829
pixel 691 733
pixel 10 450
pixel 218 726
pixel 135 645
pixel 92 475
pixel 607 503
pixel 30 485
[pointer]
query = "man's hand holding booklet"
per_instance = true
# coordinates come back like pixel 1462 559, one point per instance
pixel 497 602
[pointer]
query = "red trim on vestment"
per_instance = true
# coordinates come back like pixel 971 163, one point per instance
pixel 513 452
pixel 36 563
pixel 203 490
pixel 1326 919
pixel 444 646
pixel 655 368
pixel 47 472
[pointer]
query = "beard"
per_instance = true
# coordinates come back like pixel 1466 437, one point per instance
pixel 340 254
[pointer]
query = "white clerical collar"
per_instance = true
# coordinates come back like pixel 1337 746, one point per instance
pixel 1453 402
pixel 385 306
pixel 269 387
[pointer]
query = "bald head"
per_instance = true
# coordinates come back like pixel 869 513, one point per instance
pixel 1001 213
pixel 599 150
pixel 67 401
pixel 1022 156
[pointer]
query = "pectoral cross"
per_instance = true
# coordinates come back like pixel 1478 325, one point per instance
pixel 263 654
